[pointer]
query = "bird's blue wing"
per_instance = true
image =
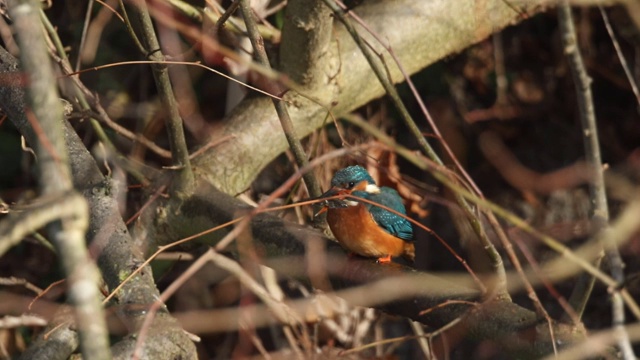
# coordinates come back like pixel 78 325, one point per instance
pixel 392 223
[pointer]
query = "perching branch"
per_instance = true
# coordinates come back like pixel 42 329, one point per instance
pixel 297 251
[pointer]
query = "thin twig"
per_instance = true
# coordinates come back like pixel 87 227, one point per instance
pixel 8 322
pixel 19 224
pixel 623 60
pixel 571 313
pixel 621 234
pixel 87 100
pixel 20 282
pixel 283 114
pixel 173 121
pixel 592 152
pixel 222 244
pixel 422 340
pixel 227 14
pixel 502 83
pixel 199 14
pixel 114 11
pixel 540 310
pixel 597 344
pixel 130 29
pixel 172 62
pixel 83 37
pixel 279 309
pixel 582 289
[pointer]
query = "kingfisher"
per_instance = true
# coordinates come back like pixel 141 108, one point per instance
pixel 362 227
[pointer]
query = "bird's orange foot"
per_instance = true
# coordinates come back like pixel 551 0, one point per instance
pixel 384 260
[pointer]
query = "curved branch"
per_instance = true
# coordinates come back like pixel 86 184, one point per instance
pixel 420 32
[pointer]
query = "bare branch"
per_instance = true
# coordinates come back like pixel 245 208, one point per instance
pixel 141 18
pixel 582 83
pixel 290 133
pixel 420 32
pixel 55 180
pixel 109 238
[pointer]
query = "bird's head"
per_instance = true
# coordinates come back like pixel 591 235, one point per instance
pixel 346 181
pixel 354 178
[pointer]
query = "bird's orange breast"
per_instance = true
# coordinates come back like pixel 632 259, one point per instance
pixel 356 230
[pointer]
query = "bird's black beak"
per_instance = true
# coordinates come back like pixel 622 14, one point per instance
pixel 332 203
pixel 332 192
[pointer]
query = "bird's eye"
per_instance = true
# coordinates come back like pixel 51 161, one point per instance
pixel 351 184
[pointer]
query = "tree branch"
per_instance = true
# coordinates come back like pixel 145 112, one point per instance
pixel 46 118
pixel 313 187
pixel 306 39
pixel 597 190
pixel 107 235
pixel 297 251
pixel 420 32
pixel 140 17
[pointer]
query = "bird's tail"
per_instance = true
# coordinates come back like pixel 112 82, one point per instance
pixel 409 251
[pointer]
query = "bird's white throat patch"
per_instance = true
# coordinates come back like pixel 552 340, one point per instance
pixel 372 189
